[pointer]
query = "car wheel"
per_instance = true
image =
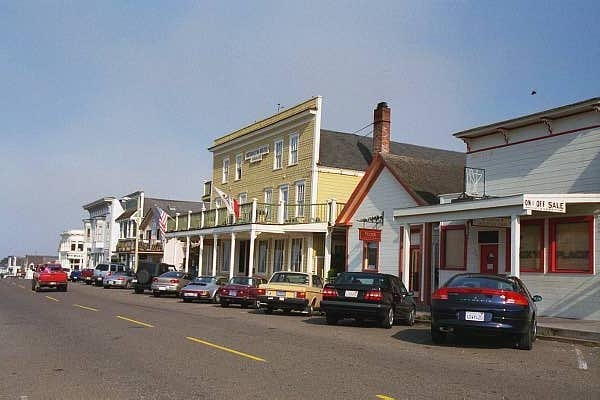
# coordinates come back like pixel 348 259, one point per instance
pixel 106 286
pixel 310 309
pixel 410 319
pixel 224 304
pixel 331 319
pixel 257 304
pixel 127 285
pixel 217 298
pixel 64 288
pixel 33 285
pixel 244 305
pixel 138 290
pixel 526 339
pixel 187 300
pixel 534 336
pixel 388 321
pixel 437 336
pixel 269 310
pixel 156 293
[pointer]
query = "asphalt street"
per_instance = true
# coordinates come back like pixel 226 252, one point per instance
pixel 92 343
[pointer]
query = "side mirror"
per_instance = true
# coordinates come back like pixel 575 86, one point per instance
pixel 537 298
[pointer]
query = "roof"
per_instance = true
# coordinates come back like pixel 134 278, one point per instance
pixel 355 152
pixel 171 207
pixel 554 113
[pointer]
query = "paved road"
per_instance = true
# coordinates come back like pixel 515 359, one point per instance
pixel 92 343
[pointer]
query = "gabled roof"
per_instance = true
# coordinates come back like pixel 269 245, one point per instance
pixel 424 179
pixel 354 152
pixel 171 207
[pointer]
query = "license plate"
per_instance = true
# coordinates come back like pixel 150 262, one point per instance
pixel 232 293
pixel 52 283
pixel 162 288
pixel 281 294
pixel 351 293
pixel 281 298
pixel 474 316
pixel 189 294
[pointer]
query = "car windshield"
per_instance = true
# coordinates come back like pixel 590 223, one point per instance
pixel 204 279
pixel 172 274
pixel 485 282
pixel 290 277
pixel 55 268
pixel 242 280
pixel 361 279
pixel 102 267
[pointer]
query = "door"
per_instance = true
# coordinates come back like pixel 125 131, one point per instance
pixel 488 263
pixel 244 257
pixel 414 283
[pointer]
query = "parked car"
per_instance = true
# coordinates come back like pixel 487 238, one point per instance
pixel 123 279
pixel 485 304
pixel 204 288
pixel 170 283
pixel 75 275
pixel 291 291
pixel 241 290
pixel 367 295
pixel 87 276
pixel 49 276
pixel 147 271
pixel 103 270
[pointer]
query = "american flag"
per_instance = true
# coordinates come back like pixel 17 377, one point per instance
pixel 162 221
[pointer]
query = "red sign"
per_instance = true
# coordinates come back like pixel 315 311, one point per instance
pixel 369 235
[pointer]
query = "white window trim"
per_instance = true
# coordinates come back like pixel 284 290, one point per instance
pixel 297 136
pixel 239 157
pixel 275 167
pixel 298 184
pixel 225 174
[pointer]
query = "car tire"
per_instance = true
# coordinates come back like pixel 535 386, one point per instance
pixel 156 293
pixel 127 285
pixel 244 305
pixel 187 300
pixel 217 298
pixel 33 285
pixel 410 318
pixel 269 310
pixel 310 309
pixel 257 304
pixel 224 304
pixel 331 319
pixel 437 337
pixel 106 286
pixel 388 321
pixel 64 288
pixel 526 339
pixel 143 277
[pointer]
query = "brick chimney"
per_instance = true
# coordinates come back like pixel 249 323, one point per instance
pixel 381 128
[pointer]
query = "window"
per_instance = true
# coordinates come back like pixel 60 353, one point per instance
pixel 268 203
pixel 571 245
pixel 224 250
pixel 263 248
pixel 300 199
pixel 278 255
pixel 293 156
pixel 454 250
pixel 278 155
pixel 370 256
pixel 531 252
pixel 72 246
pixel 243 198
pixel 80 246
pixel 207 188
pixel 297 255
pixel 283 197
pixel 225 178
pixel 238 167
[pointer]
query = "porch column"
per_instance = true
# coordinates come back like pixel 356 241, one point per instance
pixel 200 253
pixel 253 217
pixel 214 260
pixel 231 255
pixel 515 245
pixel 310 255
pixel 202 216
pixel 405 254
pixel 251 252
pixel 187 254
pixel 327 258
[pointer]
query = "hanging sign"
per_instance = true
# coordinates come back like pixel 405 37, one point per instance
pixel 369 235
pixel 547 204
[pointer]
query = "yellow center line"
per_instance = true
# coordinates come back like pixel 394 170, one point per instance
pixel 135 322
pixel 384 397
pixel 52 298
pixel 84 307
pixel 216 346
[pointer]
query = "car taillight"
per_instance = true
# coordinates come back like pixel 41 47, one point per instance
pixel 154 279
pixel 174 281
pixel 120 278
pixel 108 273
pixel 440 294
pixel 374 295
pixel 301 295
pixel 514 298
pixel 329 293
pixel 261 292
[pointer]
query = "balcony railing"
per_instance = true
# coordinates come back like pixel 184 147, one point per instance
pixel 128 245
pixel 258 213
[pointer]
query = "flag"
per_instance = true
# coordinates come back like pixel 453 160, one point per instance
pixel 162 217
pixel 226 200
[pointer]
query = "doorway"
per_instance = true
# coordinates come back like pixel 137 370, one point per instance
pixel 244 257
pixel 488 261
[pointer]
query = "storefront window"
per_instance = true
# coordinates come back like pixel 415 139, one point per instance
pixel 532 247
pixel 370 256
pixel 454 253
pixel 278 255
pixel 263 246
pixel 297 255
pixel 571 245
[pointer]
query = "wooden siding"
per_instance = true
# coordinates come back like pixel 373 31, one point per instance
pixel 337 186
pixel 564 163
pixel 259 175
pixel 385 195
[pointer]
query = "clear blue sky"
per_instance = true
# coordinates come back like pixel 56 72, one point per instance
pixel 102 98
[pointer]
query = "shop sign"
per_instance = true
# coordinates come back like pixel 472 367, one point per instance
pixel 500 222
pixel 547 204
pixel 369 235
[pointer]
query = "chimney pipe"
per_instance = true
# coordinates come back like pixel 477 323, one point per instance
pixel 381 128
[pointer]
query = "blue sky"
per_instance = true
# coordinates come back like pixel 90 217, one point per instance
pixel 102 98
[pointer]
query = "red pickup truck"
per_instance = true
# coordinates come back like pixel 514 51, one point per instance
pixel 49 275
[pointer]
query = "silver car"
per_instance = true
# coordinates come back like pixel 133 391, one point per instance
pixel 169 283
pixel 204 288
pixel 121 279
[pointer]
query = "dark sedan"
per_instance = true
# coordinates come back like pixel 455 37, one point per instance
pixel 241 290
pixel 485 304
pixel 75 275
pixel 366 295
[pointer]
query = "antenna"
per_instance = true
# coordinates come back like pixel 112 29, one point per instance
pixel 279 107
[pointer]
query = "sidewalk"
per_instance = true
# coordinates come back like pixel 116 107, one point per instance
pixel 550 328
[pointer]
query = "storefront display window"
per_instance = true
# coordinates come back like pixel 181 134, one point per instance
pixel 371 256
pixel 532 246
pixel 454 251
pixel 571 245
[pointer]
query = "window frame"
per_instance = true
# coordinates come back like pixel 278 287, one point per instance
pixel 225 171
pixel 443 232
pixel 300 202
pixel 239 161
pixel 278 154
pixel 365 256
pixel 539 223
pixel 293 151
pixel 553 222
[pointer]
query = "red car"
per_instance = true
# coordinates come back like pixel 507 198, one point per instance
pixel 49 276
pixel 87 275
pixel 241 290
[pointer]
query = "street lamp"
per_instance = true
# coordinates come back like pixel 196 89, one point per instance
pixel 138 222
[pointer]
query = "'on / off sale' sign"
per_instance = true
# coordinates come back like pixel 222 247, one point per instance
pixel 544 204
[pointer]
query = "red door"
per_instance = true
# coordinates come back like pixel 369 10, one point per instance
pixel 488 263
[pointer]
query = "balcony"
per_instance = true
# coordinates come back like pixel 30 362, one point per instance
pixel 128 246
pixel 259 213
